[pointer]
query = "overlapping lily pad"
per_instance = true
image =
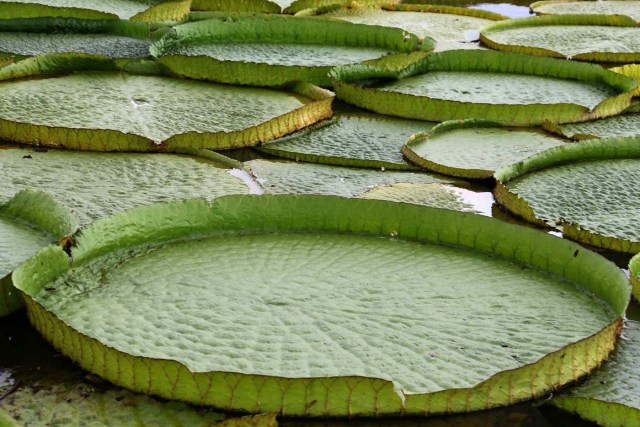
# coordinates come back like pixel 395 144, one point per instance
pixel 589 189
pixel 451 27
pixel 629 8
pixel 432 195
pixel 611 396
pixel 474 148
pixel 625 125
pixel 97 185
pixel 503 87
pixel 379 332
pixel 273 50
pixel 631 70
pixel 260 6
pixel 85 404
pixel 111 110
pixel 634 270
pixel 29 221
pixel 279 177
pixel 592 38
pixel 153 11
pixel 352 139
pixel 111 38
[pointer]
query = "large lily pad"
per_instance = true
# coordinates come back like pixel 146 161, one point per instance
pixel 432 195
pixel 631 70
pixel 351 139
pixel 97 185
pixel 380 331
pixel 260 6
pixel 592 38
pixel 625 125
pixel 167 11
pixel 611 396
pixel 85 404
pixel 474 148
pixel 29 221
pixel 109 38
pixel 629 8
pixel 589 190
pixel 272 50
pixel 451 27
pixel 308 178
pixel 117 111
pixel 634 270
pixel 503 87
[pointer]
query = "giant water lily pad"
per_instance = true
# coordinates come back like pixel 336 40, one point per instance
pixel 109 38
pixel 119 111
pixel 29 221
pixel 352 139
pixel 97 185
pixel 580 37
pixel 350 307
pixel 308 178
pixel 634 270
pixel 451 27
pixel 629 8
pixel 136 10
pixel 611 396
pixel 503 87
pixel 589 189
pixel 261 6
pixel 631 70
pixel 432 195
pixel 625 125
pixel 473 148
pixel 272 50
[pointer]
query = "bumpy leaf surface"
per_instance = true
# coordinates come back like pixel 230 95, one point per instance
pixel 629 8
pixel 626 125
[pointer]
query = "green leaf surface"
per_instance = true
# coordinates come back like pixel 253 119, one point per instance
pixel 270 50
pixel 450 27
pixel 588 189
pixel 361 140
pixel 110 111
pixel 308 178
pixel 610 397
pixel 85 404
pixel 29 221
pixel 89 9
pixel 97 185
pixel 475 148
pixel 634 270
pixel 631 70
pixel 626 125
pixel 594 38
pixel 509 88
pixel 301 332
pixel 260 6
pixel 629 8
pixel 431 195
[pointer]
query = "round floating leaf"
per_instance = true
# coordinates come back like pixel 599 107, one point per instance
pixel 431 195
pixel 326 306
pixel 631 70
pixel 314 6
pixel 84 404
pixel 610 396
pixel 28 222
pixel 260 6
pixel 108 111
pixel 474 148
pixel 588 189
pixel 97 185
pixel 451 27
pixel 503 87
pixel 634 269
pixel 308 178
pixel 109 38
pixel 361 140
pixel 626 125
pixel 142 10
pixel 273 50
pixel 629 8
pixel 592 38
